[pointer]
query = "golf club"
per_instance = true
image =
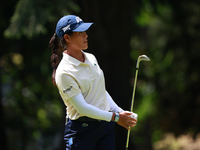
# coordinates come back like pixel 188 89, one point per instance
pixel 140 58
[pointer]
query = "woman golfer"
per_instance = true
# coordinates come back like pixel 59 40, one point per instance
pixel 91 112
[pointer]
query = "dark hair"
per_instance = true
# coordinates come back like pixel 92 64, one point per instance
pixel 56 45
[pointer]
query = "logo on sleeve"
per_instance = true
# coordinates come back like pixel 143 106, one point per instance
pixel 67 90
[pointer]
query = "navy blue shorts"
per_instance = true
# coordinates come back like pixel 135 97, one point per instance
pixel 89 135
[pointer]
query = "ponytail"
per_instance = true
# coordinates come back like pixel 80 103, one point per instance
pixel 56 45
pixel 53 44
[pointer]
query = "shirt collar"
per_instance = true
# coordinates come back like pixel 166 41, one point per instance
pixel 73 60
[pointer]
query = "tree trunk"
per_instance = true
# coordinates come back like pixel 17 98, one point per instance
pixel 109 39
pixel 3 144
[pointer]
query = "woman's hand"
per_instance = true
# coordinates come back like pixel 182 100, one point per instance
pixel 125 120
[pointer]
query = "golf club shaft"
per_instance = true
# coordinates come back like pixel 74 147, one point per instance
pixel 140 58
pixel 132 102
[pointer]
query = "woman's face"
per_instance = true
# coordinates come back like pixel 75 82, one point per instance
pixel 78 41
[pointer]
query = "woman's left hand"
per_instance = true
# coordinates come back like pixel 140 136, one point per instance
pixel 126 120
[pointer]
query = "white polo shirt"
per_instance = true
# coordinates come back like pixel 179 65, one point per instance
pixel 74 77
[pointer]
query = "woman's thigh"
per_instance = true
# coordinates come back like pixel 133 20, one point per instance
pixel 89 135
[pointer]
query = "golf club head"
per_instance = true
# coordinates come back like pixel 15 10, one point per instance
pixel 142 58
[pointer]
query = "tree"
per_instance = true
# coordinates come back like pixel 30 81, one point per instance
pixel 167 90
pixel 109 40
pixel 32 108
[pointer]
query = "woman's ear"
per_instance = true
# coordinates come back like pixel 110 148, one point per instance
pixel 67 38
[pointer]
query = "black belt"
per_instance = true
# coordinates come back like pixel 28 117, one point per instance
pixel 86 119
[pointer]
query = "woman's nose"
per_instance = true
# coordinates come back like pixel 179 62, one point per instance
pixel 85 34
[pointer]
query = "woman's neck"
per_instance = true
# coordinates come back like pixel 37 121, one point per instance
pixel 76 54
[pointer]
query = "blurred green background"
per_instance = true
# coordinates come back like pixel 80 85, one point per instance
pixel 167 99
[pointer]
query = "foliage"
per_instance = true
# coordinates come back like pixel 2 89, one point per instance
pixel 183 142
pixel 167 95
pixel 31 17
pixel 33 111
pixel 169 35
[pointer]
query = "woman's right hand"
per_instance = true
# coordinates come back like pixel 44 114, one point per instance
pixel 125 120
